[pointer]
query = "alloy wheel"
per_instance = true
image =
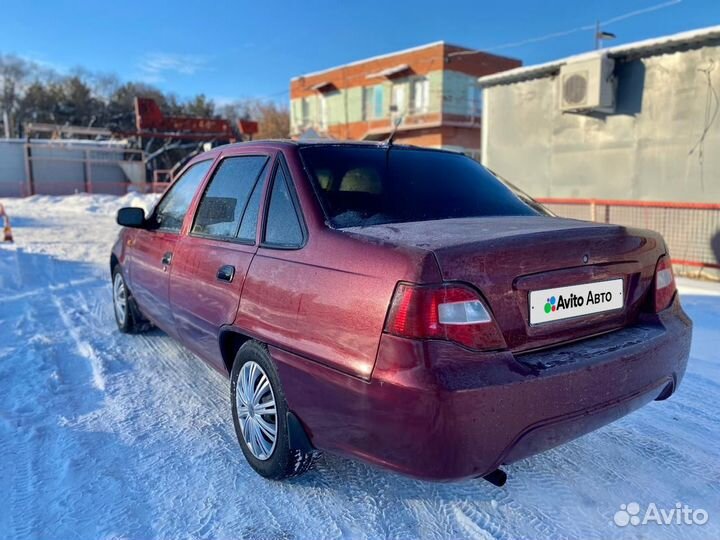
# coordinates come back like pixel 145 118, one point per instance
pixel 120 298
pixel 256 410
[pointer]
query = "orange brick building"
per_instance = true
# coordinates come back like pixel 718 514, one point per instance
pixel 430 92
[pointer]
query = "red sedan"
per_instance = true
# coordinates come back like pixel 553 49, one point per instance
pixel 400 305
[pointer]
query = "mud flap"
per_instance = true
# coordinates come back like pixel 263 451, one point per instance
pixel 297 437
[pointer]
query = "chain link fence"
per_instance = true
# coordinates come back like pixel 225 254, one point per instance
pixel 691 230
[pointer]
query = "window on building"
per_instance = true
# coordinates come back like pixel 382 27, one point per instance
pixel 378 98
pixel 373 102
pixel 474 96
pixel 367 103
pixel 398 99
pixel 223 204
pixel 305 111
pixel 421 95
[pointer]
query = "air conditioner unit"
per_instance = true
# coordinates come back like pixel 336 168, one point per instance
pixel 588 85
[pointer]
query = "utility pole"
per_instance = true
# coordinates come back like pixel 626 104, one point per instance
pixel 601 36
pixel 597 35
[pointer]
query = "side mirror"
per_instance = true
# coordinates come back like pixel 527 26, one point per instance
pixel 131 217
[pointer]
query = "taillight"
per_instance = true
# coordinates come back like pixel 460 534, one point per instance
pixel 449 311
pixel 664 284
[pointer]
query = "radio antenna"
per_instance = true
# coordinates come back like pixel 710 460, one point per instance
pixel 396 122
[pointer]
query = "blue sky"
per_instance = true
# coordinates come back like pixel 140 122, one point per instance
pixel 239 49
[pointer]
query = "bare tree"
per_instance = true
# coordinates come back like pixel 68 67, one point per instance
pixel 237 110
pixel 273 120
pixel 13 75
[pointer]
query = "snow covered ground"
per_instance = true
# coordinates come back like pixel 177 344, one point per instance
pixel 106 435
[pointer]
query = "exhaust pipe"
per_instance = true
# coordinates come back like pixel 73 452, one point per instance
pixel 496 478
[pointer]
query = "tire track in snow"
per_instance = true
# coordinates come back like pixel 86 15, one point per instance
pixel 23 422
pixel 84 348
pixel 47 456
pixel 44 290
pixel 22 478
pixel 472 526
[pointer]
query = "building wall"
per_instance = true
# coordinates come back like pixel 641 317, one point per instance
pixel 461 95
pixel 346 106
pixel 452 113
pixel 660 144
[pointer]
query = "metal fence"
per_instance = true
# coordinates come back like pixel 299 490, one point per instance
pixel 73 187
pixel 53 167
pixel 691 230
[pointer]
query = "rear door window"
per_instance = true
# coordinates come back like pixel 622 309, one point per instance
pixel 171 210
pixel 283 227
pixel 224 203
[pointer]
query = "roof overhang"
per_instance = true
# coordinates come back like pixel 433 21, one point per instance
pixel 324 87
pixel 648 47
pixel 390 72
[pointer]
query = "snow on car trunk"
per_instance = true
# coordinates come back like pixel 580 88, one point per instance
pixel 103 434
pixel 510 258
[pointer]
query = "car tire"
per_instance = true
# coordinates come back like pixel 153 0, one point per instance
pixel 271 458
pixel 127 315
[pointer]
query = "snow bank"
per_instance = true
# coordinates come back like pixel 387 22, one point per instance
pixel 80 203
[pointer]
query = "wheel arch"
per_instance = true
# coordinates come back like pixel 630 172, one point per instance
pixel 230 341
pixel 114 261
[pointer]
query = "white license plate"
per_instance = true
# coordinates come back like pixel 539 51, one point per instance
pixel 561 303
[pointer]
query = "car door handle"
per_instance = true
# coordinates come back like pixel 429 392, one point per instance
pixel 226 273
pixel 167 259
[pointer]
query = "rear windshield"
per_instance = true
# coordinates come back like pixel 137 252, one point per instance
pixel 369 186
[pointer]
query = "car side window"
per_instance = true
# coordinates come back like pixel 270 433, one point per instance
pixel 226 198
pixel 283 227
pixel 171 210
pixel 248 225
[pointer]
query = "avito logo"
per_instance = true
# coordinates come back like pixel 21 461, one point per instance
pixel 576 301
pixel 558 303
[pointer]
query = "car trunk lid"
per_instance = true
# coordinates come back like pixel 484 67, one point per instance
pixel 508 257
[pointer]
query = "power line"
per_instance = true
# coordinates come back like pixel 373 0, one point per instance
pixel 583 28
pixel 274 94
pixel 640 12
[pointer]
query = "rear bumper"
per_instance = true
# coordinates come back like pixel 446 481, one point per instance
pixel 434 410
